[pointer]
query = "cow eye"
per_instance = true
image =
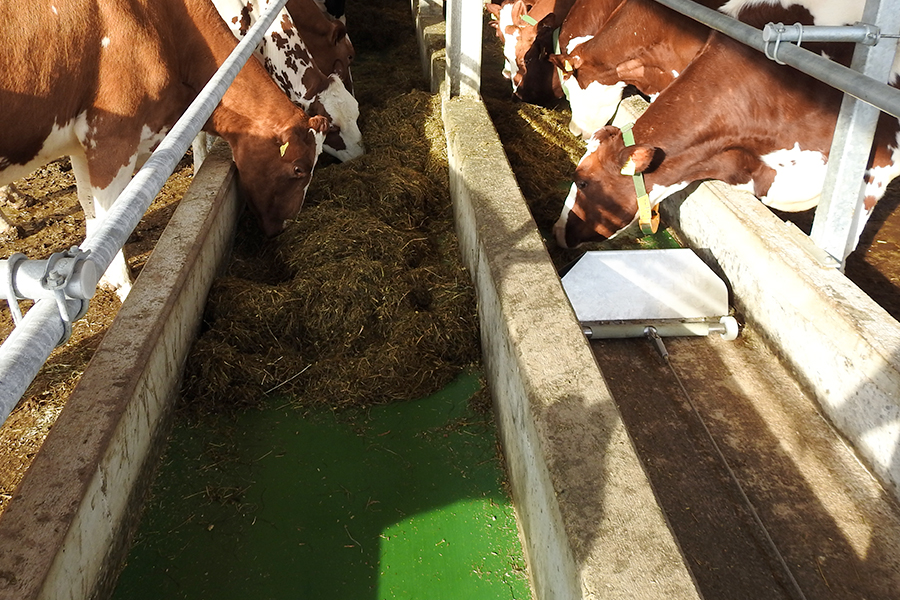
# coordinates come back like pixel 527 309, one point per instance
pixel 298 171
pixel 581 184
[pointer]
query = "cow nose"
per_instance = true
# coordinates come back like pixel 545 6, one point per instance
pixel 273 227
pixel 559 232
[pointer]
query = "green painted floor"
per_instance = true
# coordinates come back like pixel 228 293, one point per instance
pixel 403 501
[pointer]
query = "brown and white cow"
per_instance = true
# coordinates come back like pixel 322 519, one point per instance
pixel 732 115
pixel 112 76
pixel 326 37
pixel 529 42
pixel 519 24
pixel 643 43
pixel 289 61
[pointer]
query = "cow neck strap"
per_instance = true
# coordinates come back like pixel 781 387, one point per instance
pixel 559 72
pixel 648 216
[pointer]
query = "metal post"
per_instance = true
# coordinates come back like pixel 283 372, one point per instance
pixel 463 43
pixel 30 344
pixel 837 221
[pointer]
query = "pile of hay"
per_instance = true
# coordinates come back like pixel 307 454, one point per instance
pixel 363 299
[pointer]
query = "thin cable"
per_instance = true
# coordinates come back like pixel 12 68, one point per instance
pixel 653 336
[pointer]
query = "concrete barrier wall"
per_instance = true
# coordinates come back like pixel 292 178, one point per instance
pixel 66 531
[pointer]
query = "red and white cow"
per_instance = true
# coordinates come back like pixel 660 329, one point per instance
pixel 113 76
pixel 732 115
pixel 289 61
pixel 326 37
pixel 528 43
pixel 519 25
pixel 643 43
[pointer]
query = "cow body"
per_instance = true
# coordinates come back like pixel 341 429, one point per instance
pixel 111 79
pixel 735 116
pixel 288 60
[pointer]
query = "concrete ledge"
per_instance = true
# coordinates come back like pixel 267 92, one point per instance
pixel 591 523
pixel 842 346
pixel 66 531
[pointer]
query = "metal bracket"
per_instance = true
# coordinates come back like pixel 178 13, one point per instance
pixel 55 281
pixel 860 33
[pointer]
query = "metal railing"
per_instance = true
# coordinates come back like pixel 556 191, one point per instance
pixel 45 325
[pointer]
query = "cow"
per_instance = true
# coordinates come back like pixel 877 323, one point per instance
pixel 518 24
pixel 327 39
pixel 529 41
pixel 111 79
pixel 732 115
pixel 643 44
pixel 288 60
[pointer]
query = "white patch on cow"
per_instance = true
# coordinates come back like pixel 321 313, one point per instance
pixel 593 107
pixel 61 142
pixel 343 108
pixel 104 43
pixel 658 193
pixel 675 73
pixel 577 41
pixel 824 12
pixel 559 228
pixel 799 176
pixel 880 177
pixel 505 25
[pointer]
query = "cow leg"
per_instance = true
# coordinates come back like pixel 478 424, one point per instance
pixel 7 228
pixel 99 201
pixel 199 150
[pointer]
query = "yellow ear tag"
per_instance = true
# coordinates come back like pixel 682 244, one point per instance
pixel 283 149
pixel 629 167
pixel 568 66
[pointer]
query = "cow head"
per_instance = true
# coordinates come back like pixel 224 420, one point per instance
pixel 602 200
pixel 275 171
pixel 329 98
pixel 538 80
pixel 517 31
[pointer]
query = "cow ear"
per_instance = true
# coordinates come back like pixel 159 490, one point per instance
pixel 636 159
pixel 601 135
pixel 567 62
pixel 320 124
pixel 338 32
pixel 518 10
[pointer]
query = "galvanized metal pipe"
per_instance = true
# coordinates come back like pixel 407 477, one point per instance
pixel 30 344
pixel 836 75
pixel 860 33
